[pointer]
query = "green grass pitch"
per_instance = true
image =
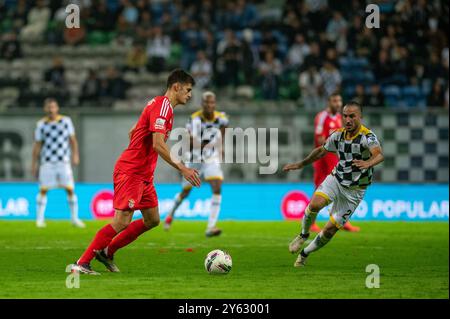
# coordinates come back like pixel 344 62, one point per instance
pixel 413 258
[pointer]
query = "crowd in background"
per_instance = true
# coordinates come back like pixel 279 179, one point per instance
pixel 305 49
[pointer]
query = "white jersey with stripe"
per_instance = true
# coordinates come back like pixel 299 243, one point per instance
pixel 206 132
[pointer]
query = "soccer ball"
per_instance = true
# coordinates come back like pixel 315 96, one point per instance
pixel 218 262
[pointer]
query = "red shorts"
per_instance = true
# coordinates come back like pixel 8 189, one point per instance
pixel 131 193
pixel 323 168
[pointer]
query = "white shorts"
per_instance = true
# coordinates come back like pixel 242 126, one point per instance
pixel 209 171
pixel 345 200
pixel 55 175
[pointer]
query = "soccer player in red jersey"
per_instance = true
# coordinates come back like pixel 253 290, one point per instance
pixel 133 175
pixel 325 123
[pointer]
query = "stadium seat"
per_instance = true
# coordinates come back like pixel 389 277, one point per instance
pixel 411 95
pixel 392 95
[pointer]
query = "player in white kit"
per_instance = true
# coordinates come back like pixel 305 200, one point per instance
pixel 207 128
pixel 55 144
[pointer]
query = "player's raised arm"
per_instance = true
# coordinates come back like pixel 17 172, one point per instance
pixel 316 153
pixel 160 146
pixel 376 152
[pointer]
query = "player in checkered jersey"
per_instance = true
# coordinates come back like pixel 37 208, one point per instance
pixel 55 144
pixel 325 123
pixel 207 126
pixel 359 151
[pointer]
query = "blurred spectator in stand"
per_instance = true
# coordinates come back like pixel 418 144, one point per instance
pixel 366 43
pixel 331 78
pixel 249 55
pixel 402 61
pixel 101 18
pixel 190 41
pixel 297 52
pixel 112 86
pixel 130 12
pixel 434 68
pixel 136 58
pixel 313 58
pixel 144 28
pixel 360 96
pixel 56 75
pixel 353 32
pixel 375 97
pixel 228 51
pixel 331 55
pixel 20 14
pixel 10 47
pixel 74 36
pixel 268 43
pixel 37 21
pixel 383 67
pixel 220 62
pixel 125 32
pixel 310 83
pixel 201 70
pixel 90 90
pixel 158 50
pixel 436 98
pixel 337 31
pixel 270 70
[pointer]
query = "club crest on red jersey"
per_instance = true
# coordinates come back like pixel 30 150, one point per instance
pixel 131 203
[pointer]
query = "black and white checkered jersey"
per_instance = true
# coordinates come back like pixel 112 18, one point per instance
pixel 206 131
pixel 55 138
pixel 349 149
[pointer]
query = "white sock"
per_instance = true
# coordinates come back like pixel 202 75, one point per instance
pixel 316 244
pixel 41 203
pixel 177 203
pixel 215 210
pixel 73 204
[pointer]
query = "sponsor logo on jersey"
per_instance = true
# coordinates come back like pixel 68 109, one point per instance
pixel 160 124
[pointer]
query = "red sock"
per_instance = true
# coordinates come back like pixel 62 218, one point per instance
pixel 127 236
pixel 100 241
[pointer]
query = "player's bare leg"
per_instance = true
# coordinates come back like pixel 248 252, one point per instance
pixel 319 241
pixel 102 239
pixel 127 236
pixel 73 204
pixel 315 205
pixel 41 203
pixel 216 186
pixel 178 200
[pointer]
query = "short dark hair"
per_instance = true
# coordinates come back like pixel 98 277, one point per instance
pixel 355 103
pixel 179 76
pixel 336 93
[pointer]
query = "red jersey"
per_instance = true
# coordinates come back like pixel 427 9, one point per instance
pixel 139 159
pixel 325 124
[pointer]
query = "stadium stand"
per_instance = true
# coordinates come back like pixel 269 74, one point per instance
pixel 236 37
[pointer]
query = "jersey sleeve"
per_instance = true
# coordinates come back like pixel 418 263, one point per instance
pixel 331 142
pixel 371 140
pixel 70 127
pixel 160 114
pixel 224 120
pixel 319 125
pixel 38 136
